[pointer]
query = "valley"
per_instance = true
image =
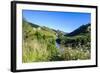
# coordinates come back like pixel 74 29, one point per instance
pixel 44 44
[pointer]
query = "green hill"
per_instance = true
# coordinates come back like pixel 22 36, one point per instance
pixel 80 36
pixel 84 29
pixel 38 43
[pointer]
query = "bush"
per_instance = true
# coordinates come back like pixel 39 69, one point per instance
pixel 75 54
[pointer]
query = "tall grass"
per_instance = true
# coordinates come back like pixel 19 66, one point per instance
pixel 70 53
pixel 38 45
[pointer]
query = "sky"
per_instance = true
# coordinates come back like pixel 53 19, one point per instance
pixel 64 21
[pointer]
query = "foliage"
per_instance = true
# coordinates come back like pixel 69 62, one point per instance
pixel 75 54
pixel 38 45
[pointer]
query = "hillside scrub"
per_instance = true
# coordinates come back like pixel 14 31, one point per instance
pixel 38 45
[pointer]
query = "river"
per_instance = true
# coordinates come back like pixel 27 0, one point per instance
pixel 59 47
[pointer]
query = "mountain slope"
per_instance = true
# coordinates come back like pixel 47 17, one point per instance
pixel 84 29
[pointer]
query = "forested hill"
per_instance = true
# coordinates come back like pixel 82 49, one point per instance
pixel 30 24
pixel 82 35
pixel 37 27
pixel 84 29
pixel 30 29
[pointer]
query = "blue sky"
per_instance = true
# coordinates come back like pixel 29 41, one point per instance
pixel 64 21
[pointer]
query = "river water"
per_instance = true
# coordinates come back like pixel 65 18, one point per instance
pixel 59 47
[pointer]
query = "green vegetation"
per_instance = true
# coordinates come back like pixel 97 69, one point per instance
pixel 76 44
pixel 39 44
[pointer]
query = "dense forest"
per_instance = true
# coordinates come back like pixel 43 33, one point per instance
pixel 43 44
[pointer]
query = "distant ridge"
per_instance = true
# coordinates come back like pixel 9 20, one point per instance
pixel 81 30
